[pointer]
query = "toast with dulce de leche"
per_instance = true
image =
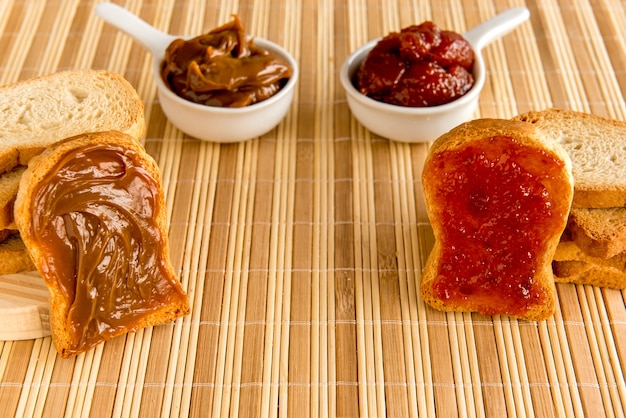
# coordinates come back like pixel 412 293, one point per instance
pixel 91 212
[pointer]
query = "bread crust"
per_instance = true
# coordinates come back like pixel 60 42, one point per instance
pixel 37 171
pixel 526 135
pixel 587 273
pixel 14 257
pixel 598 232
pixel 572 264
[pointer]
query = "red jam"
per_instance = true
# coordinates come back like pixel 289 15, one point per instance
pixel 419 66
pixel 499 214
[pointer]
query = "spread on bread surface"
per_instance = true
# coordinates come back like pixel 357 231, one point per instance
pixel 499 205
pixel 97 227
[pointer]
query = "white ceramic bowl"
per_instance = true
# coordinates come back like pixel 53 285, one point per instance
pixel 425 124
pixel 210 123
pixel 408 124
pixel 226 124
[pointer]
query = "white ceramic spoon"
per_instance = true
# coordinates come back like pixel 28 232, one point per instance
pixel 482 35
pixel 148 36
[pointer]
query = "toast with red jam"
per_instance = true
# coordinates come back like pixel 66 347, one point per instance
pixel 497 194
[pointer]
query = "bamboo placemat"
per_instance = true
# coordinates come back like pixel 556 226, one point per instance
pixel 301 250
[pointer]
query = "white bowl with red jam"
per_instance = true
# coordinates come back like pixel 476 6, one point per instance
pixel 194 100
pixel 407 110
pixel 230 124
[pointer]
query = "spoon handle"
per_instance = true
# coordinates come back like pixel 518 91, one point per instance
pixel 496 27
pixel 148 36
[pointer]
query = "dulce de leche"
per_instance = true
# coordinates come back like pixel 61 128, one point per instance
pixel 223 68
pixel 98 227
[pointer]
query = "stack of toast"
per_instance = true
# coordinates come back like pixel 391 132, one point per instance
pixel 517 205
pixel 39 112
pixel 81 201
pixel 592 249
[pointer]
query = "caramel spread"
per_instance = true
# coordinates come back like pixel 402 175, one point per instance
pixel 103 249
pixel 500 206
pixel 223 68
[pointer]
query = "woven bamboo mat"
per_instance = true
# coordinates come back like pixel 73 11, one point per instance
pixel 301 250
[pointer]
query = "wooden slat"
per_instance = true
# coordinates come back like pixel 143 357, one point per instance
pixel 302 250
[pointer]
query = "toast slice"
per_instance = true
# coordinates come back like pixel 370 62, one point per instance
pixel 569 251
pixel 597 148
pixel 9 183
pixel 497 194
pixel 589 273
pixel 572 264
pixel 91 212
pixel 598 232
pixel 14 257
pixel 38 112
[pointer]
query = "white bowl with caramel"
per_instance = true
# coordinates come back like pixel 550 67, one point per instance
pixel 234 89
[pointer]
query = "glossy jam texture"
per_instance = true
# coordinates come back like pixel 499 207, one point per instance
pixel 96 229
pixel 419 66
pixel 498 211
pixel 223 68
